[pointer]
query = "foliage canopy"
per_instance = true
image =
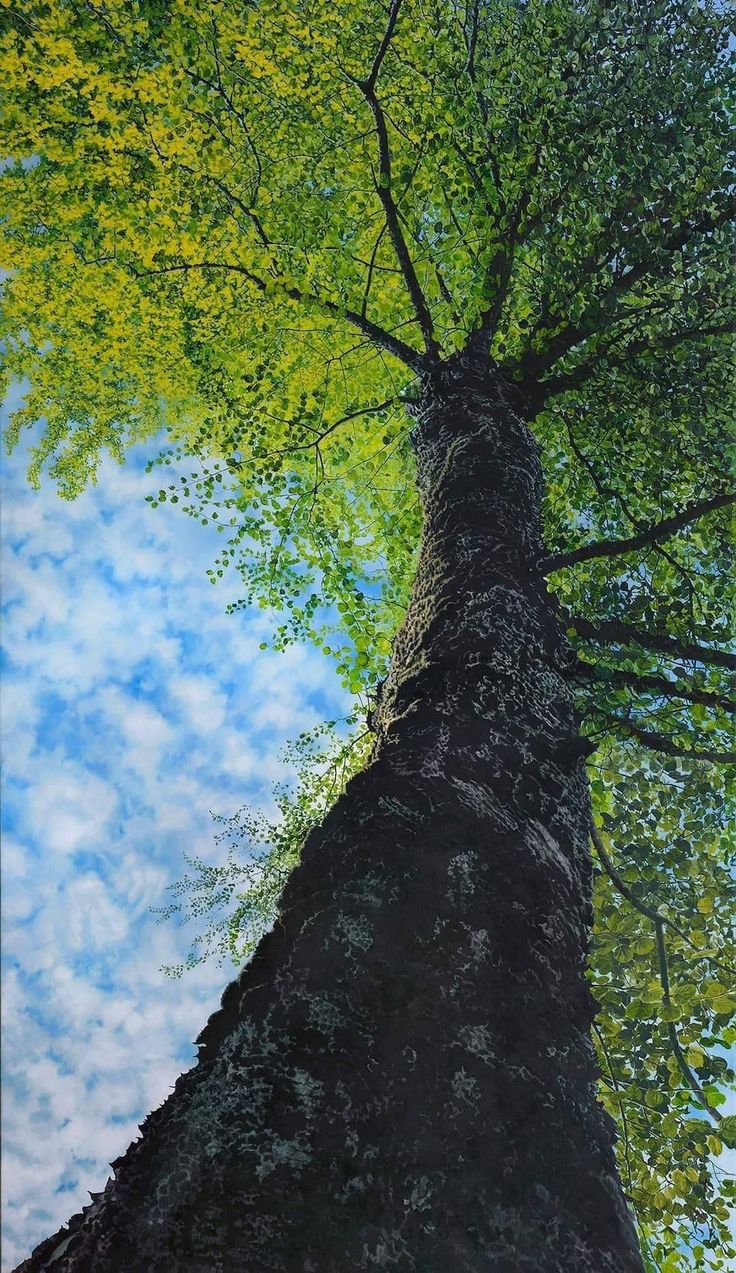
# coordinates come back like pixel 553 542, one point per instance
pixel 262 226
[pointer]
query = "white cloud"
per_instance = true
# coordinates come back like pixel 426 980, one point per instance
pixel 132 706
pixel 70 806
pixel 204 706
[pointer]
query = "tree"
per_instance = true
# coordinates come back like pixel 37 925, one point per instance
pixel 439 296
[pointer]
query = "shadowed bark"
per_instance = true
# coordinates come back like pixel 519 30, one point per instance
pixel 402 1077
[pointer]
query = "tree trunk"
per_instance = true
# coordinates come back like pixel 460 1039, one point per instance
pixel 402 1077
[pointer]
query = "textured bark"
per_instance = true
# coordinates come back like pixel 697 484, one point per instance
pixel 402 1077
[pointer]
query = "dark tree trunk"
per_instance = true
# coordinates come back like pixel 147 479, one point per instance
pixel 402 1077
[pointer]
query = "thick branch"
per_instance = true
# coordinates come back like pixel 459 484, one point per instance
pixel 500 269
pixel 659 742
pixel 579 375
pixel 614 632
pixel 383 339
pixel 388 36
pixel 650 534
pixel 656 685
pixel 502 264
pixel 383 188
pixel 604 309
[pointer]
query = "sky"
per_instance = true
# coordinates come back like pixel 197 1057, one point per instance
pixel 132 707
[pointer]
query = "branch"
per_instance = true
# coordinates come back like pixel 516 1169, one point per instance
pixel 650 534
pixel 477 179
pixel 471 41
pixel 621 1101
pixel 659 922
pixel 683 1066
pixel 500 269
pixel 649 911
pixel 607 492
pixel 579 375
pixel 654 685
pixel 369 276
pixel 621 884
pixel 388 35
pixel 590 323
pixel 383 189
pixel 383 339
pixel 247 212
pixel 502 264
pixel 659 742
pixel 236 465
pixel 614 632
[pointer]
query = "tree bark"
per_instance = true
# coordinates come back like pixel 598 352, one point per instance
pixel 402 1077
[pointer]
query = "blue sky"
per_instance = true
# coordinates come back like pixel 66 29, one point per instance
pixel 132 705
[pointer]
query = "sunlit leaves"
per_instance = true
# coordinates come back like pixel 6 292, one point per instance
pixel 234 903
pixel 196 239
pixel 668 827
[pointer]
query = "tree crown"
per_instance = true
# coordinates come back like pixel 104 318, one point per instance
pixel 262 226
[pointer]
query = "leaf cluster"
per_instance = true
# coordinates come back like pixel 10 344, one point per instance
pixel 261 228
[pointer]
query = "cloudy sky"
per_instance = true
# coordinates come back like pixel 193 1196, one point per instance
pixel 132 706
